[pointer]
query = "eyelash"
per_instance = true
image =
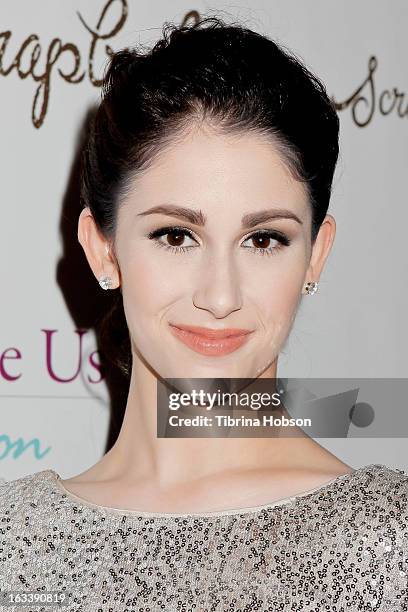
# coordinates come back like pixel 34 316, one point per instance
pixel 282 239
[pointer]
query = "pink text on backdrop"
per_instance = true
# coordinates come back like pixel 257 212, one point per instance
pixel 10 355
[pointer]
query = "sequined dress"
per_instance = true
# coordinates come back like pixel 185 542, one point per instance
pixel 342 546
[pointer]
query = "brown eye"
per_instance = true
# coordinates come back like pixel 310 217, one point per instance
pixel 261 241
pixel 175 238
pixel 267 242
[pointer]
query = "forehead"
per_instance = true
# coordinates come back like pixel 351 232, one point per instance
pixel 211 171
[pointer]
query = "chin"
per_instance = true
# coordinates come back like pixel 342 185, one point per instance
pixel 211 371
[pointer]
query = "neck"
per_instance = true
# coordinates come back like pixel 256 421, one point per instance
pixel 138 454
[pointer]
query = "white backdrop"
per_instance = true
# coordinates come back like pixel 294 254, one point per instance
pixel 55 413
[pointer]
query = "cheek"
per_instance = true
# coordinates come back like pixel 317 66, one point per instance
pixel 277 297
pixel 277 284
pixel 146 287
pixel 282 298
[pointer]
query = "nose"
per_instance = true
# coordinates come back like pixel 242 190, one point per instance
pixel 218 286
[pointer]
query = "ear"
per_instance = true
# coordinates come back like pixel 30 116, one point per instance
pixel 321 248
pixel 98 249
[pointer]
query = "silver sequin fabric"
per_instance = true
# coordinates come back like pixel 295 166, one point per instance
pixel 342 546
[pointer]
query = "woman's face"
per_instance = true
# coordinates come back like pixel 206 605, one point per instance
pixel 220 267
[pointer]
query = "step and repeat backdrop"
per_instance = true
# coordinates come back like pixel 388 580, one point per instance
pixel 55 404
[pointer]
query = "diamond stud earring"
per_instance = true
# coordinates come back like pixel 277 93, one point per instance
pixel 311 287
pixel 105 282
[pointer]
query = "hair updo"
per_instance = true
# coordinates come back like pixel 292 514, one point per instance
pixel 229 75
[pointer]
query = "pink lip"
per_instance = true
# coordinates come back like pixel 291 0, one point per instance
pixel 211 341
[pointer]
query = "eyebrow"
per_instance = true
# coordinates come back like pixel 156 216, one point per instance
pixel 198 218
